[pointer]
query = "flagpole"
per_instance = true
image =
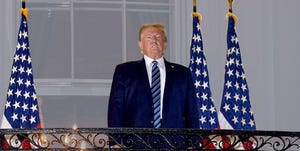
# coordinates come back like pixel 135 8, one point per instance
pixel 23 4
pixel 24 10
pixel 195 13
pixel 194 5
pixel 230 5
pixel 230 11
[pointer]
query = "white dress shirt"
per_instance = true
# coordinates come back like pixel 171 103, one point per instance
pixel 162 71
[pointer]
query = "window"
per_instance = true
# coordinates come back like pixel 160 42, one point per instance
pixel 75 46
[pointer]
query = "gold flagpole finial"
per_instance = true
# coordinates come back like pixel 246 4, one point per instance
pixel 230 5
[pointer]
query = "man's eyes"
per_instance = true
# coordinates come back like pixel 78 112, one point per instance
pixel 157 37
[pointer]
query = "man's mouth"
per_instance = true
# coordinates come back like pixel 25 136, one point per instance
pixel 154 46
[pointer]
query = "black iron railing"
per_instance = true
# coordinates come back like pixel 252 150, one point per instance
pixel 149 139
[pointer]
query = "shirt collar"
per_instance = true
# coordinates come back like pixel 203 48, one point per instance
pixel 149 60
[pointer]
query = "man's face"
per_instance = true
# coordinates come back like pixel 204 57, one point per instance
pixel 153 43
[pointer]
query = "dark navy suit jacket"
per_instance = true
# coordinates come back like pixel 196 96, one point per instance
pixel 130 102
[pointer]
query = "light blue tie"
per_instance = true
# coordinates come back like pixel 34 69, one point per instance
pixel 155 89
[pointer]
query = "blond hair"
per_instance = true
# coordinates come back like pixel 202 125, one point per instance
pixel 159 26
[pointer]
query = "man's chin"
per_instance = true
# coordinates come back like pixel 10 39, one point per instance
pixel 155 56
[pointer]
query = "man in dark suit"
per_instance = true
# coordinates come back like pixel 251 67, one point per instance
pixel 131 99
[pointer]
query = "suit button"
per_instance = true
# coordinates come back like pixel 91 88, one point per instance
pixel 151 122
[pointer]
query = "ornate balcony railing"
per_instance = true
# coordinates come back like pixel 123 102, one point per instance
pixel 149 139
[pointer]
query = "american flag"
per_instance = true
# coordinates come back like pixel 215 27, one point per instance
pixel 21 107
pixel 235 110
pixel 208 118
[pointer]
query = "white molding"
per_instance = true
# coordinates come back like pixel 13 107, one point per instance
pixel 8 30
pixel 124 32
pixel 95 87
pixel 72 91
pixel 182 28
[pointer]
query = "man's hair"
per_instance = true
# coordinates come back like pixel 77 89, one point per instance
pixel 159 26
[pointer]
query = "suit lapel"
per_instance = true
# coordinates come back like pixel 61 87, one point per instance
pixel 169 79
pixel 143 78
pixel 168 88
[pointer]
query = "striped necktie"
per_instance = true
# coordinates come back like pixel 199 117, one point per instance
pixel 155 89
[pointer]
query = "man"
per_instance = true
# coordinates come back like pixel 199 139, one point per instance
pixel 165 99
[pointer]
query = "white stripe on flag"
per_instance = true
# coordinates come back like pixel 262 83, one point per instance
pixel 5 124
pixel 223 122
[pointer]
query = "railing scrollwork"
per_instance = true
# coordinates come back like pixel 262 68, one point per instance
pixel 149 139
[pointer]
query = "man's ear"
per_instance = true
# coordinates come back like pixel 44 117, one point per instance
pixel 140 45
pixel 165 45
